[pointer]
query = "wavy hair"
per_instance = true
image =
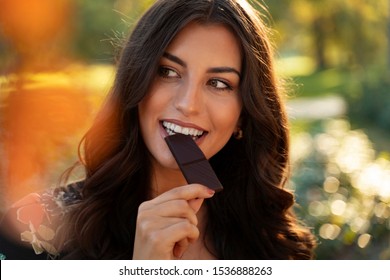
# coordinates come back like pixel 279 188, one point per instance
pixel 253 217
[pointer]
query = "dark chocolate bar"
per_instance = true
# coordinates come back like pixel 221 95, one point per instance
pixel 192 162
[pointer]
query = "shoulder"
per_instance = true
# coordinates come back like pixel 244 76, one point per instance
pixel 29 227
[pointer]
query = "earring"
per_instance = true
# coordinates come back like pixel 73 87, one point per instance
pixel 238 134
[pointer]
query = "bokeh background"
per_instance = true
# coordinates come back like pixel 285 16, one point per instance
pixel 57 62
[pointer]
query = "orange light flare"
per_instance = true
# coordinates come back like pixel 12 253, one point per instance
pixel 37 30
pixel 41 105
pixel 38 128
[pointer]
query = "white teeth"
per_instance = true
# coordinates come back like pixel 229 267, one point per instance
pixel 192 131
pixel 185 130
pixel 172 128
pixel 177 129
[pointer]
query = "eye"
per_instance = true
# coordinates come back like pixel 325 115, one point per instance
pixel 166 72
pixel 219 85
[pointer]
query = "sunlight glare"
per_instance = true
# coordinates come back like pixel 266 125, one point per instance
pixel 363 240
pixel 330 231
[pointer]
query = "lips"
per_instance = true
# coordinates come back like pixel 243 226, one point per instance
pixel 173 128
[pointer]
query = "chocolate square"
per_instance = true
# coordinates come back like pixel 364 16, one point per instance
pixel 192 162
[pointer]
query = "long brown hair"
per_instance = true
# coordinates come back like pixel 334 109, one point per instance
pixel 252 218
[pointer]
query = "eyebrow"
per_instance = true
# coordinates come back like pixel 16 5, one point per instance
pixel 175 59
pixel 224 70
pixel 210 70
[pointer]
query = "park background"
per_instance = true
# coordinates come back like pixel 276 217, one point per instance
pixel 57 62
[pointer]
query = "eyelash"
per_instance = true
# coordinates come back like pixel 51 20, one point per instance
pixel 227 85
pixel 161 69
pixel 163 75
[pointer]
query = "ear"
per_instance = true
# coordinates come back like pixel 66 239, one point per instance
pixel 239 122
pixel 238 133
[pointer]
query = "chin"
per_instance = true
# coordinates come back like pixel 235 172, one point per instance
pixel 166 160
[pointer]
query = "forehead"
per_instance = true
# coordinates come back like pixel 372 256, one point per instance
pixel 205 40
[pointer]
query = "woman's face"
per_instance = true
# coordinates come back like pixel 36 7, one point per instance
pixel 195 92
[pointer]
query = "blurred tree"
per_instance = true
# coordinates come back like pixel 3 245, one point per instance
pixel 96 22
pixel 388 35
pixel 102 25
pixel 336 33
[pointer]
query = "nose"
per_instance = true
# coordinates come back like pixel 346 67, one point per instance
pixel 188 99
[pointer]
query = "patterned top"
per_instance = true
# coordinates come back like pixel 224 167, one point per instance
pixel 36 218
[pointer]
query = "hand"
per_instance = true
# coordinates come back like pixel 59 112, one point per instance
pixel 168 223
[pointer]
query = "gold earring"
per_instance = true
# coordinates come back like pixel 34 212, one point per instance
pixel 238 134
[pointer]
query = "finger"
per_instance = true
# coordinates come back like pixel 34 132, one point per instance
pixel 172 240
pixel 173 229
pixel 180 247
pixel 186 192
pixel 180 231
pixel 147 226
pixel 195 204
pixel 169 209
pixel 160 241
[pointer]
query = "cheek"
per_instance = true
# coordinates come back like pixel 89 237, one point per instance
pixel 147 119
pixel 143 115
pixel 227 116
pixel 158 98
pixel 152 103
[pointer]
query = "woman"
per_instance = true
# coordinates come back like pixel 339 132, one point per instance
pixel 202 68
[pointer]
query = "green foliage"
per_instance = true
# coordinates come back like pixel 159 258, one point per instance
pixel 335 33
pixel 322 83
pixel 97 26
pixel 102 25
pixel 372 105
pixel 342 189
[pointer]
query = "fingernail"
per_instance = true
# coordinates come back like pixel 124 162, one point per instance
pixel 210 192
